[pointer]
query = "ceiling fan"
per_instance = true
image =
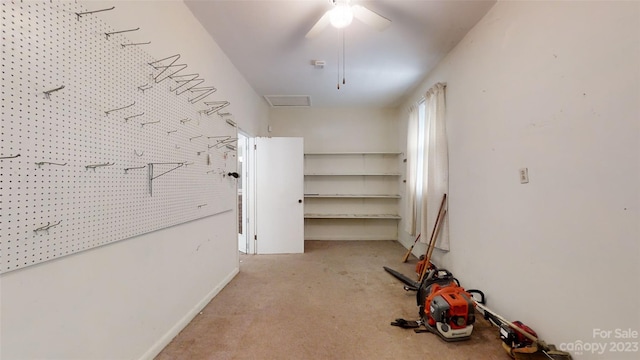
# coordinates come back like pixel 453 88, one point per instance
pixel 343 13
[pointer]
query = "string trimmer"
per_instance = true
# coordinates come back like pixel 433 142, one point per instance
pixel 525 344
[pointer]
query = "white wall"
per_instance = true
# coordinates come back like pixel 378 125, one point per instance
pixel 337 129
pixel 554 87
pixel 128 299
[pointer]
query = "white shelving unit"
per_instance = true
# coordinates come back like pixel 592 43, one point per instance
pixel 352 195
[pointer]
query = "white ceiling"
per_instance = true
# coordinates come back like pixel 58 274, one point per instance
pixel 265 40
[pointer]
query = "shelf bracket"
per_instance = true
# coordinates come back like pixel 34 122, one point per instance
pixel 153 177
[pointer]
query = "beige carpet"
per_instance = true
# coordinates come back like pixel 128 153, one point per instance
pixel 335 301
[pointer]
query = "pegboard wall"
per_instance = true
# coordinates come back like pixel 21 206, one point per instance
pixel 100 142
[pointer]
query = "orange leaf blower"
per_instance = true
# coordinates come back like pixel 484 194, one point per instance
pixel 447 309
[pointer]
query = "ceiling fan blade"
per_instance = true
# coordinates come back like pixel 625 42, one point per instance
pixel 319 26
pixel 370 18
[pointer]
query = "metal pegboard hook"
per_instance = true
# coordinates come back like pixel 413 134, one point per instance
pixel 47 227
pixel 193 77
pixel 155 65
pixel 136 44
pixel 9 157
pixel 120 32
pixel 93 12
pixel 228 140
pixel 53 225
pixel 132 116
pixel 228 143
pixel 49 163
pixel 216 106
pixel 122 108
pixel 150 122
pixel 208 90
pixel 49 92
pixel 134 168
pixel 94 166
pixel 144 87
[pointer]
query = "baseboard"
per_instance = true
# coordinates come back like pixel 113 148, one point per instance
pixel 186 319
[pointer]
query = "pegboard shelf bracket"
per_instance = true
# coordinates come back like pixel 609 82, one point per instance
pixel 153 177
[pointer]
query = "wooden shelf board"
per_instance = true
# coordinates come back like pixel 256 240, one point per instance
pixel 356 153
pixel 355 196
pixel 351 216
pixel 330 174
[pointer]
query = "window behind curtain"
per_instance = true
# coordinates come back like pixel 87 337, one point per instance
pixel 415 166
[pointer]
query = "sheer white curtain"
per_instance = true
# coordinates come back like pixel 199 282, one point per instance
pixel 436 167
pixel 411 203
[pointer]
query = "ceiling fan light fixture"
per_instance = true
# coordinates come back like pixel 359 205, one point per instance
pixel 341 15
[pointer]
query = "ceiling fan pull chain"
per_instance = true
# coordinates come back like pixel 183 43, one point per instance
pixel 344 58
pixel 338 59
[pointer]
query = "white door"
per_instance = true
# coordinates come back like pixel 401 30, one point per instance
pixel 279 194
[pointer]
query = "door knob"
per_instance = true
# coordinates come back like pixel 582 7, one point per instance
pixel 299 201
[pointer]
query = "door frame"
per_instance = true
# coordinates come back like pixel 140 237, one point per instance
pixel 251 197
pixel 243 194
pixel 248 193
